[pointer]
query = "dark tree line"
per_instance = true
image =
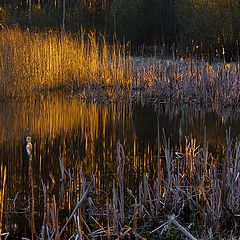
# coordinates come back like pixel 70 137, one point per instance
pixel 137 20
pixel 202 23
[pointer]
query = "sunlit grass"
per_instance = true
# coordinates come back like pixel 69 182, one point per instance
pixel 32 62
pixel 87 64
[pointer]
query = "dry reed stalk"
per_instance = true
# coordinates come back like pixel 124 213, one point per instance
pixel 159 227
pixel 49 61
pixel 78 205
pixel 168 159
pixel 30 172
pixel 181 228
pixel 54 218
pixel 87 227
pixel 78 226
pixel 157 181
pixel 114 208
pixel 44 224
pixel 3 175
pixel 62 180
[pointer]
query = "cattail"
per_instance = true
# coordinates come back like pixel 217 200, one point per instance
pixel 29 146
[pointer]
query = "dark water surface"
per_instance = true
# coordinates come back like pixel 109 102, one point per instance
pixel 85 135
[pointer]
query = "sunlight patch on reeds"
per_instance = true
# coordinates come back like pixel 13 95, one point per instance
pixel 32 62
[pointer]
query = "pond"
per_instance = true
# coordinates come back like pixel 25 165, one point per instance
pixel 84 136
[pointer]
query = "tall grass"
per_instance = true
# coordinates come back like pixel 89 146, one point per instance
pixel 195 195
pixel 189 81
pixel 32 62
pixel 35 62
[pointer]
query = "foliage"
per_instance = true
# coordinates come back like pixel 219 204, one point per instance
pixel 2 15
pixel 139 20
pixel 127 15
pixel 212 21
pixel 162 22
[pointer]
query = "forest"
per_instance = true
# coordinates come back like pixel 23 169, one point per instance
pixel 207 24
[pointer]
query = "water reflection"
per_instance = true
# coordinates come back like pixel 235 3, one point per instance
pixel 85 136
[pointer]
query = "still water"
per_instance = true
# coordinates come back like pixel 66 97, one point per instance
pixel 85 136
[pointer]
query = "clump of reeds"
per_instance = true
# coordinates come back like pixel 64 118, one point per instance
pixel 188 81
pixel 33 62
pixel 194 194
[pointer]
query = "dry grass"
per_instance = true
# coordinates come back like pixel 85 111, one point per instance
pixel 36 62
pixel 32 62
pixel 188 81
pixel 194 196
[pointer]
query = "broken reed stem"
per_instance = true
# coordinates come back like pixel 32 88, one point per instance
pixel 120 176
pixel 3 175
pixel 181 228
pixel 75 209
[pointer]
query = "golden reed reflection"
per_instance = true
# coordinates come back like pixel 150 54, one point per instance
pixel 85 136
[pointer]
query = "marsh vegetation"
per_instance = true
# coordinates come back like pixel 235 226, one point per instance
pixel 118 146
pixel 35 63
pixel 126 176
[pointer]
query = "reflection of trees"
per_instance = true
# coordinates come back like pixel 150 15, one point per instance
pixel 191 120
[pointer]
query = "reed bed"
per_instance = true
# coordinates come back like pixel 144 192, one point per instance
pixel 194 195
pixel 33 62
pixel 188 81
